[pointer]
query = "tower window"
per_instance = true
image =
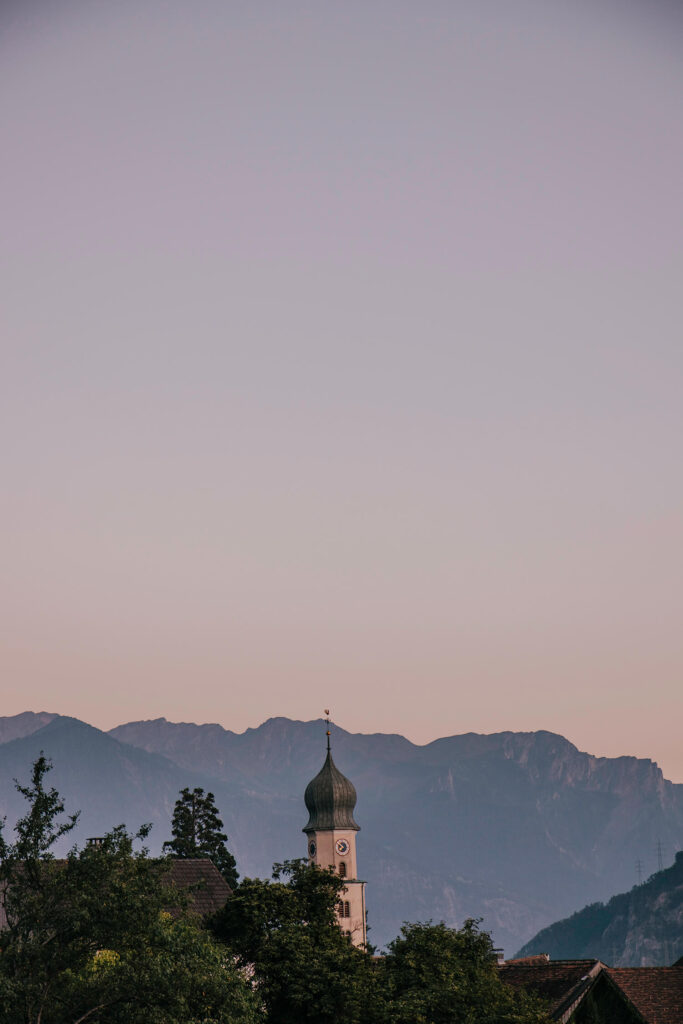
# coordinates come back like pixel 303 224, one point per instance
pixel 347 909
pixel 342 869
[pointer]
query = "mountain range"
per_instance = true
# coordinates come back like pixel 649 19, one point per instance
pixel 518 829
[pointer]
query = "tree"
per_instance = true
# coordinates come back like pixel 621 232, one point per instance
pixel 307 972
pixel 90 938
pixel 34 902
pixel 197 832
pixel 439 975
pixel 287 932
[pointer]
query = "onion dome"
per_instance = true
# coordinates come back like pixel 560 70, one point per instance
pixel 330 799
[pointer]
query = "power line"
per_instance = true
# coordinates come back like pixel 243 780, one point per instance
pixel 639 871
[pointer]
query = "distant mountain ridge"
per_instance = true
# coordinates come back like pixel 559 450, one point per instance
pixel 18 726
pixel 517 828
pixel 640 928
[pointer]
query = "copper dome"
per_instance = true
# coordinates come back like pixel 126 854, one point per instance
pixel 330 799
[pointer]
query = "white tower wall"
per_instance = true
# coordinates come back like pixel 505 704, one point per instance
pixel 336 849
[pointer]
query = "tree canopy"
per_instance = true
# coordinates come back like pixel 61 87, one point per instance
pixel 440 975
pixel 91 937
pixel 197 832
pixel 305 968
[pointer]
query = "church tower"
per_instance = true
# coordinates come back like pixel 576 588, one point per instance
pixel 331 830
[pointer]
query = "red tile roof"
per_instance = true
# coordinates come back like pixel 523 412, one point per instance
pixel 655 992
pixel 561 982
pixel 208 889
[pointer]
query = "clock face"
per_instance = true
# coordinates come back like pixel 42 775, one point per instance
pixel 311 848
pixel 342 846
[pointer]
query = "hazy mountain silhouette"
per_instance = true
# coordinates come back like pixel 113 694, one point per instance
pixel 23 725
pixel 640 928
pixel 517 828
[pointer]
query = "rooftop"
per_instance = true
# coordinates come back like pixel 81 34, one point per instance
pixel 561 982
pixel 655 992
pixel 330 799
pixel 208 889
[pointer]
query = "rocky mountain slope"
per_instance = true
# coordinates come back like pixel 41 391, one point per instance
pixel 517 828
pixel 640 928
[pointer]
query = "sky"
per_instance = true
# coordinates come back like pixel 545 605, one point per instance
pixel 341 365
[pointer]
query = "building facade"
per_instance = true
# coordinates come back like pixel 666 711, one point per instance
pixel 331 832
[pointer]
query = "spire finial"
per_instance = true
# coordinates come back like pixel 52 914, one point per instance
pixel 327 722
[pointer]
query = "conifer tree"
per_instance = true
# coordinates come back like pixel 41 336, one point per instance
pixel 198 832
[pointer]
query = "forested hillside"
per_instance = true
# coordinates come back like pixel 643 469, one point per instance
pixel 640 928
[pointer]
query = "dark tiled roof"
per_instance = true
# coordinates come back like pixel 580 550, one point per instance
pixel 561 982
pixel 208 888
pixel 655 992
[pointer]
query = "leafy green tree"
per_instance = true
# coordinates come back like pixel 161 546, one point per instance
pixel 177 975
pixel 439 975
pixel 305 968
pixel 197 832
pixel 90 938
pixel 39 829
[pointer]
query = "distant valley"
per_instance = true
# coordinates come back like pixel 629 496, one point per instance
pixel 520 829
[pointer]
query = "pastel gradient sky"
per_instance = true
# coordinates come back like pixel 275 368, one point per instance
pixel 342 364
